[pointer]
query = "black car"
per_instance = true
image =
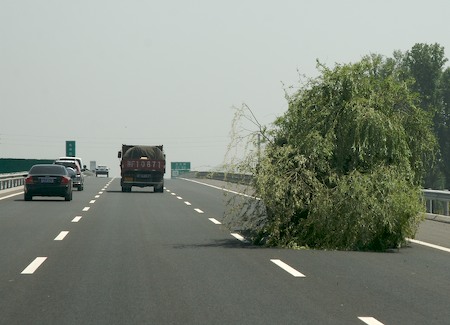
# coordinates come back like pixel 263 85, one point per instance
pixel 48 180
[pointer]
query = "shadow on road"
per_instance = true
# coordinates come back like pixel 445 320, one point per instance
pixel 224 243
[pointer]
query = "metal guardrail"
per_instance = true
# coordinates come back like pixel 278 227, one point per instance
pixel 437 201
pixel 11 180
pixel 222 176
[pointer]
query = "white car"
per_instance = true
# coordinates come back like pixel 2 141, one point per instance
pixel 78 159
pixel 77 178
pixel 102 170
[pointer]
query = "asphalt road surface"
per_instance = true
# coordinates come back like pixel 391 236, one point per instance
pixel 109 257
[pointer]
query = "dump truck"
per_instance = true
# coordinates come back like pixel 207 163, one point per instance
pixel 142 166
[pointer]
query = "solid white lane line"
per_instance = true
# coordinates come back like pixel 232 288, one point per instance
pixel 30 269
pixel 187 203
pixel 91 201
pixel 287 268
pixel 61 235
pixel 370 321
pixel 237 236
pixel 445 249
pixel 220 188
pixel 11 195
pixel 215 221
pixel 86 208
pixel 199 211
pixel 76 219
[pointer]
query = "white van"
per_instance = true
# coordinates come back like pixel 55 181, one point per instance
pixel 78 159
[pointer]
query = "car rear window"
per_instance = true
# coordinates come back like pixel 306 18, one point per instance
pixel 48 169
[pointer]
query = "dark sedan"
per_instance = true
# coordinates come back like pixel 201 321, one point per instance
pixel 48 180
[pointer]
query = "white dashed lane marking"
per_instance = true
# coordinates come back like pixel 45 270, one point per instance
pixel 86 208
pixel 91 201
pixel 198 210
pixel 370 321
pixel 215 221
pixel 61 235
pixel 237 236
pixel 30 269
pixel 76 219
pixel 187 203
pixel 288 269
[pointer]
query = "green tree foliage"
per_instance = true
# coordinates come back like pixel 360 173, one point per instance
pixel 424 63
pixel 344 164
pixel 444 129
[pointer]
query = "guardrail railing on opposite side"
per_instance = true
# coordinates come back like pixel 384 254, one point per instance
pixel 11 180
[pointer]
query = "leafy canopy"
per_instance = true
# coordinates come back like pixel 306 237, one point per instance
pixel 342 167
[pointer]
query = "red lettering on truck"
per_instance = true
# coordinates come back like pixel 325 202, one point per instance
pixel 143 164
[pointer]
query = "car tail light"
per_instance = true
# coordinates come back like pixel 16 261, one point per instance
pixel 29 180
pixel 65 180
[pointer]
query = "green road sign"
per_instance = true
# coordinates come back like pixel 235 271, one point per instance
pixel 70 149
pixel 180 167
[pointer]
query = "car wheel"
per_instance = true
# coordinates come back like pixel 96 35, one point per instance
pixel 28 197
pixel 68 196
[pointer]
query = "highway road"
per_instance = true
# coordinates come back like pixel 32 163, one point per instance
pixel 109 257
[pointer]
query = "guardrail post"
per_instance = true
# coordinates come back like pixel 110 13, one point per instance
pixel 446 208
pixel 430 206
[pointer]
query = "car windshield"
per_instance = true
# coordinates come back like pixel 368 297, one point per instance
pixel 48 170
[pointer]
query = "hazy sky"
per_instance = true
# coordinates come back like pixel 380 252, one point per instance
pixel 109 72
